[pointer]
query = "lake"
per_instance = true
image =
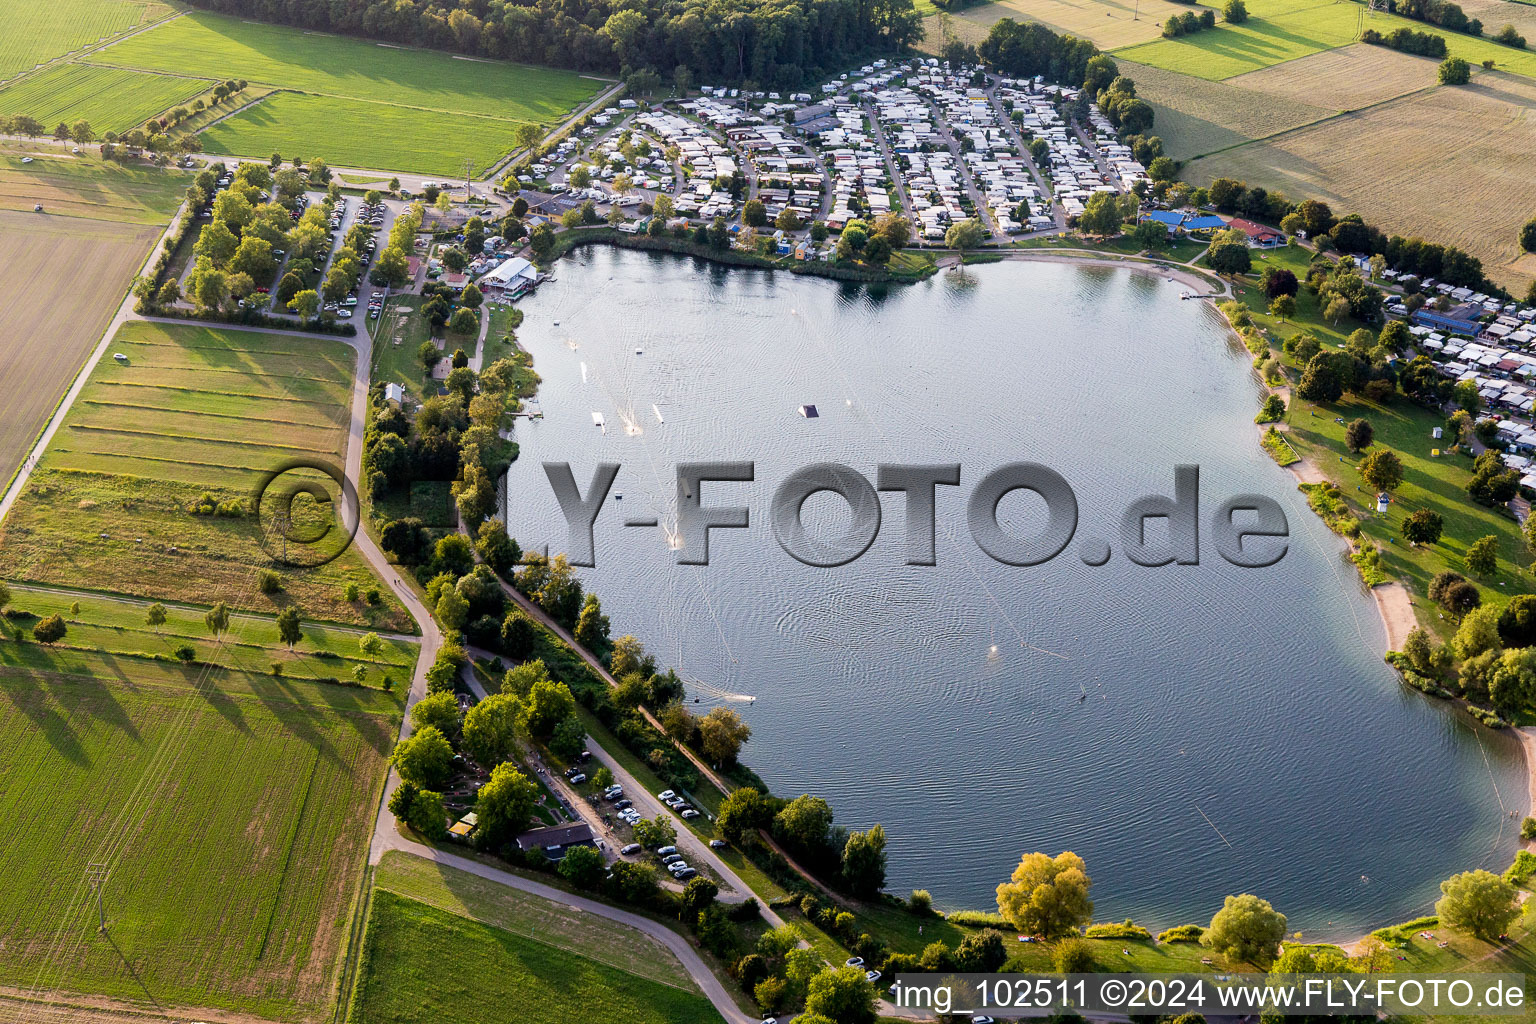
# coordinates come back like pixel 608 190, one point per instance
pixel 1190 730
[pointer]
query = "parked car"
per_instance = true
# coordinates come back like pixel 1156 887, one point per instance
pixel 662 851
pixel 688 815
pixel 665 795
pixel 630 850
pixel 717 844
pixel 685 874
pixel 578 778
pixel 624 804
pixel 672 858
pixel 854 961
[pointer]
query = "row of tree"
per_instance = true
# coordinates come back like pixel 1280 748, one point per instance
pixel 772 43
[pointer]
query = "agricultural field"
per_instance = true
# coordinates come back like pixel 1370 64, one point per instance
pixel 1109 24
pixel 1473 145
pixel 1276 31
pixel 61 280
pixel 233 810
pixel 422 963
pixel 1495 14
pixel 1196 116
pixel 111 99
pixel 87 186
pixel 1348 78
pixel 354 133
pixel 39 32
pixel 187 412
pixel 364 103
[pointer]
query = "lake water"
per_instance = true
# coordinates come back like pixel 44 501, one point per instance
pixel 1191 731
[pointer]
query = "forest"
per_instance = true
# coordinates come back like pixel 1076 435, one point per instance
pixel 766 43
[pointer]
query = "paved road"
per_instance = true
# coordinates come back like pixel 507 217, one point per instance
pixel 892 165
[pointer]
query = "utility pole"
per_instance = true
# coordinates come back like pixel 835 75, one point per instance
pixel 469 172
pixel 97 874
pixel 1136 14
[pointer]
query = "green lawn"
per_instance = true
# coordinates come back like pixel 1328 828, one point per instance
pixel 1277 31
pixel 188 411
pixel 397 339
pixel 1116 956
pixel 111 99
pixel 556 924
pixel 234 811
pixel 357 133
pixel 420 963
pixel 37 32
pixel 1438 483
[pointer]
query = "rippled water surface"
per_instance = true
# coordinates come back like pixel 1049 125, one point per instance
pixel 1192 731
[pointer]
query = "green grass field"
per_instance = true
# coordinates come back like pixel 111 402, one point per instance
pixel 233 810
pixel 87 186
pixel 1278 30
pixel 39 32
pixel 111 99
pixel 556 924
pixel 354 101
pixel 420 963
pixel 356 133
pixel 191 410
pixel 115 626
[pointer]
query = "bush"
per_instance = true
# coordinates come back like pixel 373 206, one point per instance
pixel 185 653
pixel 270 582
pixel 1181 933
pixel 1127 930
pixel 1073 956
pixel 921 901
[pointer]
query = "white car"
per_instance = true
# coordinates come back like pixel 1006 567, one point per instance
pixel 665 794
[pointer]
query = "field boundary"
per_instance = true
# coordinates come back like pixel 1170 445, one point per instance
pixel 72 56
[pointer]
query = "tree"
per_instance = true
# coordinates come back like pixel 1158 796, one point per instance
pixel 1150 234
pixel 452 609
pixel 1479 902
pixel 289 629
pixel 424 758
pixel 1283 306
pixel 1382 470
pixel 1337 309
pixel 505 803
pixel 1483 556
pixel 1229 257
pixel 217 619
pixel 592 625
pixel 305 303
pixel 217 242
pixel 864 862
pixel 981 952
pixel 1359 434
pixel 754 214
pixel 1512 680
pixel 1492 483
pixel 438 710
pixel 1528 240
pixel 842 995
pixel 583 867
pixel 426 814
pixel 1235 12
pixel 804 823
pixel 654 832
pixel 490 729
pixel 1478 632
pixel 1320 381
pixel 1047 896
pixel 722 732
pixel 549 703
pixel 253 257
pixel 1423 527
pixel 1455 71
pixel 743 812
pixel 1517 622
pixel 463 321
pixel 154 616
pixel 964 234
pixel 50 630
pixel 1246 929
pixel 1103 215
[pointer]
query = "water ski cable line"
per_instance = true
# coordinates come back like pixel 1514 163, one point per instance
pixel 948 531
pixel 1211 823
